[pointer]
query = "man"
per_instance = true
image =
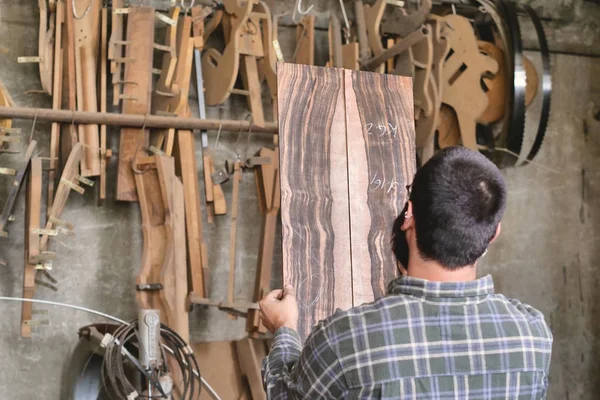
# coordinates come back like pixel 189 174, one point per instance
pixel 441 333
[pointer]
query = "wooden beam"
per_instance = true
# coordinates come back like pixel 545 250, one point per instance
pixel 134 121
pixel 305 41
pixel 140 38
pixel 250 367
pixel 335 43
pixel 103 103
pixel 69 131
pixel 249 71
pixel 56 103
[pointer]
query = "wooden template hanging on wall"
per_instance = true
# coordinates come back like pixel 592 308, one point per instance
pixel 347 153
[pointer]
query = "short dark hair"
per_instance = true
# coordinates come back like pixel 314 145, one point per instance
pixel 458 198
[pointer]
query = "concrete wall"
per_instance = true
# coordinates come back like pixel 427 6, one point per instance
pixel 546 255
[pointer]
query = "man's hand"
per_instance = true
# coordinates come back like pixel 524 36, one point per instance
pixel 279 309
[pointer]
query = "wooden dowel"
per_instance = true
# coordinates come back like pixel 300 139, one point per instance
pixel 131 120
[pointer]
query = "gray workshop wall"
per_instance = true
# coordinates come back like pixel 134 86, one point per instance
pixel 546 255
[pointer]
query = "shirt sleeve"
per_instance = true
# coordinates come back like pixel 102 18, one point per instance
pixel 295 373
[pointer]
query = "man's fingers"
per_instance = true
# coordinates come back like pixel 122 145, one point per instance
pixel 289 291
pixel 274 295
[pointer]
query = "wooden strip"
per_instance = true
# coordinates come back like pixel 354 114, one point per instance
pixel 373 15
pixel 56 104
pixel 70 171
pixel 249 72
pixel 305 41
pixel 237 177
pixel 140 35
pixel 15 187
pixel 103 102
pixel 350 56
pixel 219 365
pixel 33 213
pixel 316 243
pixel 115 50
pixel 361 29
pixel 69 131
pixel 380 131
pixel 250 367
pixel 188 171
pixel 335 42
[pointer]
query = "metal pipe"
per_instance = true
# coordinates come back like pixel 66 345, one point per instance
pixel 132 120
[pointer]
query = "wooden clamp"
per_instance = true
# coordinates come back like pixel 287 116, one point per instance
pixel 269 198
pixel 15 188
pixel 66 184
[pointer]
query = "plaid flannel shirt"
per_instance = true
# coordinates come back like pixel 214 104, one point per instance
pixel 426 340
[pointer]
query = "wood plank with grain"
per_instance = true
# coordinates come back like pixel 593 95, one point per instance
pixel 140 38
pixel 345 161
pixel 380 137
pixel 314 190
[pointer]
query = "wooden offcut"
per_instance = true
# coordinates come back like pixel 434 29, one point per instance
pixel 347 153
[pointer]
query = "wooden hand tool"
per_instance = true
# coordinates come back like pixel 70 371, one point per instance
pixel 87 32
pixel 136 95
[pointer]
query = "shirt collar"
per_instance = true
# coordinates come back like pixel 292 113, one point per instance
pixel 424 288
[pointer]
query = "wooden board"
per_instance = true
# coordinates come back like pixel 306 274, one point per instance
pixel 32 240
pixel 350 56
pixel 140 35
pixel 115 49
pixel 249 72
pixel 218 362
pixel 15 187
pixel 69 136
pixel 250 367
pixel 335 42
pixel 343 175
pixel 237 177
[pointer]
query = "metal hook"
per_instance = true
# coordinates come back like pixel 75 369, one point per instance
pixel 74 9
pixel 183 6
pixel 298 9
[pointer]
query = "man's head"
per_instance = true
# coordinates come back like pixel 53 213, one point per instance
pixel 455 205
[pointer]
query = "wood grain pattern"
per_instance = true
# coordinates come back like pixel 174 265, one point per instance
pixel 345 161
pixel 381 164
pixel 314 190
pixel 140 35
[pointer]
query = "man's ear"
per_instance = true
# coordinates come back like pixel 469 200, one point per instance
pixel 498 230
pixel 409 220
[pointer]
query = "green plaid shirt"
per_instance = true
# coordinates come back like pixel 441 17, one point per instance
pixel 426 340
